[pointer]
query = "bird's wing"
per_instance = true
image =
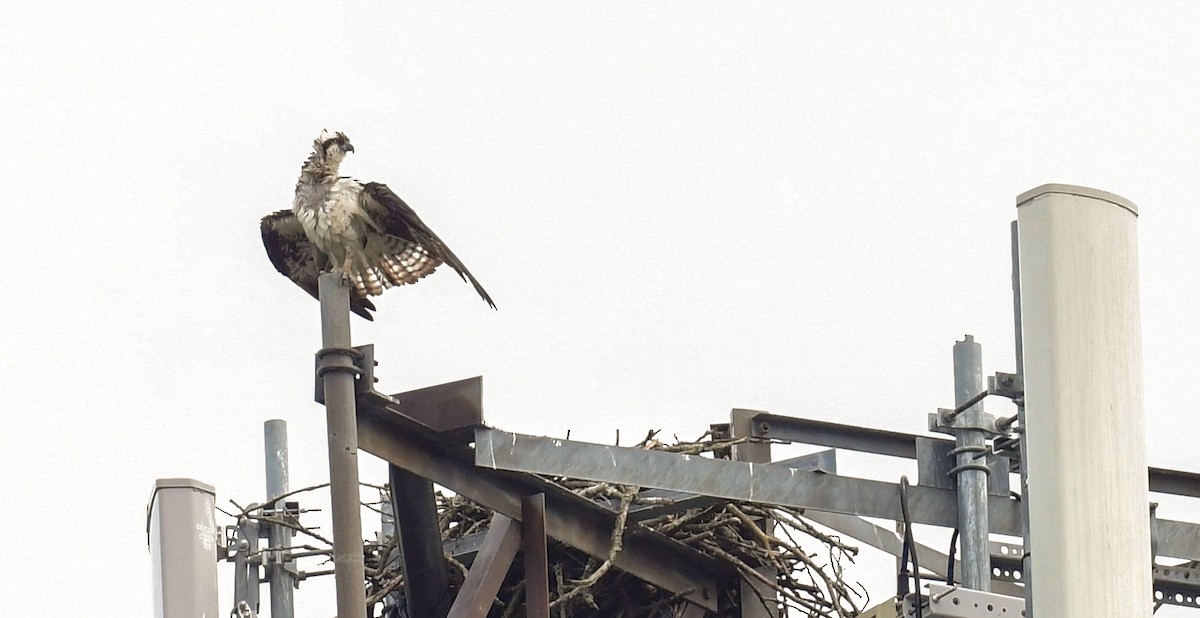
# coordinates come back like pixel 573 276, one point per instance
pixel 422 248
pixel 297 259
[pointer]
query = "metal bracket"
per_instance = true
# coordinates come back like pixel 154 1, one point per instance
pixel 1177 585
pixel 364 362
pixel 955 602
pixel 1008 385
pixel 1003 384
pixel 934 464
pixel 943 421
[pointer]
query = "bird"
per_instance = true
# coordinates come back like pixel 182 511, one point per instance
pixel 361 231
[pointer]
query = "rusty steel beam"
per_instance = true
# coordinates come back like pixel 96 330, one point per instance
pixel 419 540
pixel 537 567
pixel 571 519
pixel 478 591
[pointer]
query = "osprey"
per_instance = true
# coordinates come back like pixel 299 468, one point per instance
pixel 363 231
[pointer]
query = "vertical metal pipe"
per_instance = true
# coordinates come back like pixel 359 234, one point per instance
pixel 1023 445
pixel 1081 324
pixel 972 482
pixel 283 583
pixel 337 370
pixel 757 599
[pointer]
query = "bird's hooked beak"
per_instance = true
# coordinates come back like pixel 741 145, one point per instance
pixel 347 147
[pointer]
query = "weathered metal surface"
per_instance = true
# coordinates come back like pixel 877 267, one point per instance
pixel 1173 585
pixel 338 370
pixel 451 408
pixel 1175 482
pixel 1177 585
pixel 835 435
pixel 478 591
pixel 822 461
pixel 427 588
pixel 281 567
pixel 955 602
pixel 537 567
pixel 886 540
pixel 934 464
pixel 243 543
pixel 571 519
pixel 733 480
pixel 757 599
pixel 972 476
pixel 1178 539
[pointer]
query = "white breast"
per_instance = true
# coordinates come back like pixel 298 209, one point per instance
pixel 332 218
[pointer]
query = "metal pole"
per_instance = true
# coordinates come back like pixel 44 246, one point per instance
pixel 282 581
pixel 972 472
pixel 1023 445
pixel 1083 393
pixel 338 370
pixel 757 599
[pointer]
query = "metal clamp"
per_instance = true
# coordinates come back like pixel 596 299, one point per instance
pixel 980 451
pixel 362 367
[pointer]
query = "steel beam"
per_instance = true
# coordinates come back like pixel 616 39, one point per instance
pixel 450 409
pixel 835 435
pixel 929 452
pixel 886 540
pixel 483 581
pixel 427 588
pixel 571 519
pixel 537 567
pixel 823 461
pixel 1176 482
pixel 1178 539
pixel 767 483
pixel 732 480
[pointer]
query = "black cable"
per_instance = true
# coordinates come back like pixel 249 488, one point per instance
pixel 950 559
pixel 910 546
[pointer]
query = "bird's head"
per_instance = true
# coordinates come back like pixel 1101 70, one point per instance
pixel 332 147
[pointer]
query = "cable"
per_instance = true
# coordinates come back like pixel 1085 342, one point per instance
pixel 950 558
pixel 910 546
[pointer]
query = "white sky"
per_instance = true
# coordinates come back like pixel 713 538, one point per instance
pixel 679 208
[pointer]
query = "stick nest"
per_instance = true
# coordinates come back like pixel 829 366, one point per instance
pixel 789 559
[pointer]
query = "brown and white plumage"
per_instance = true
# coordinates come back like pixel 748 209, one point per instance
pixel 363 231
